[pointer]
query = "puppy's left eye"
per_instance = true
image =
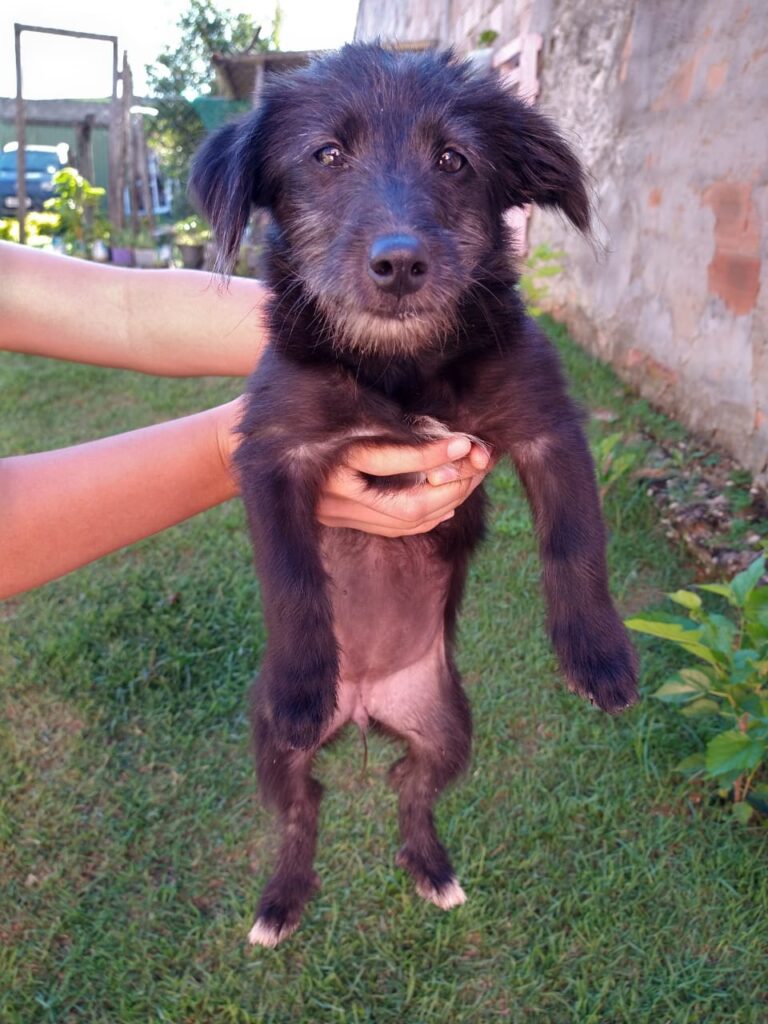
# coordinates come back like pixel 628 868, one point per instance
pixel 451 161
pixel 330 156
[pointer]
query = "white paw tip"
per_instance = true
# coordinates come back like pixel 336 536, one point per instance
pixel 447 897
pixel 264 934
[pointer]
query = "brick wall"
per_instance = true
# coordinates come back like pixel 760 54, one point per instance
pixel 668 106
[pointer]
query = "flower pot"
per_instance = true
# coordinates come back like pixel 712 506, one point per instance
pixel 192 256
pixel 482 58
pixel 122 255
pixel 99 251
pixel 145 257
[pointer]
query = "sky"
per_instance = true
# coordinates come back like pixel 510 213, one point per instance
pixel 58 67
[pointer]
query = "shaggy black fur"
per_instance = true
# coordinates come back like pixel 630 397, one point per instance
pixel 394 317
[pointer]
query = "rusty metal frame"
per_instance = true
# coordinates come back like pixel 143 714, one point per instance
pixel 21 114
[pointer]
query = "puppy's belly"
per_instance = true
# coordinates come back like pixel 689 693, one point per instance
pixel 388 604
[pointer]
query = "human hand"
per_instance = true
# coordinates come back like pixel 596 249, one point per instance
pixel 454 467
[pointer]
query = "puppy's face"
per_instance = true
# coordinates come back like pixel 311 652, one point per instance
pixel 387 176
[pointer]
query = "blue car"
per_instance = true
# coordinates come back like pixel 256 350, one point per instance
pixel 41 163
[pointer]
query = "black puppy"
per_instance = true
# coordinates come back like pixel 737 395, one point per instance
pixel 394 319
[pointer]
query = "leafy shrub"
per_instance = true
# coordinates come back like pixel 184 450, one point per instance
pixel 727 686
pixel 76 203
pixel 614 460
pixel 39 228
pixel 192 231
pixel 43 225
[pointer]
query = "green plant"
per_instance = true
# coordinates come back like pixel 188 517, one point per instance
pixel 614 460
pixel 488 37
pixel 75 203
pixel 542 261
pixel 102 229
pixel 729 686
pixel 192 231
pixel 42 225
pixel 39 228
pixel 9 229
pixel 144 238
pixel 121 238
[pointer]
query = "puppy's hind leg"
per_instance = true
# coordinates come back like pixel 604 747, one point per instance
pixel 287 786
pixel 439 740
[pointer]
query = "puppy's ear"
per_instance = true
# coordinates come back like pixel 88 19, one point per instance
pixel 227 179
pixel 541 168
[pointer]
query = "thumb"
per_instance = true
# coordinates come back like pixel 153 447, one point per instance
pixel 389 459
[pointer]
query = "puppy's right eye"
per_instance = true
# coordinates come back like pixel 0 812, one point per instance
pixel 451 161
pixel 330 156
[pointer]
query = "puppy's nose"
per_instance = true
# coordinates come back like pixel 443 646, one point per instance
pixel 398 264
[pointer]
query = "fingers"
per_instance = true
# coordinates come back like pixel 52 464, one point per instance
pixel 347 501
pixel 454 467
pixel 391 460
pixel 476 462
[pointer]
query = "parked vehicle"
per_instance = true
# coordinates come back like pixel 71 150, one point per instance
pixel 40 165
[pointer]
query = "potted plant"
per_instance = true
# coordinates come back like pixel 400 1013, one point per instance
pixel 191 236
pixel 145 248
pixel 76 203
pixel 482 55
pixel 99 249
pixel 122 247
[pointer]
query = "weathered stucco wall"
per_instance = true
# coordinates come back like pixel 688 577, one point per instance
pixel 668 106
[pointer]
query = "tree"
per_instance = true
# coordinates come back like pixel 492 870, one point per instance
pixel 185 71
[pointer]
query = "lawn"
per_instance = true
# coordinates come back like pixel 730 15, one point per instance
pixel 133 846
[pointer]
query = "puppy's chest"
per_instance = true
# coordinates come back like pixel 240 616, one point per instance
pixel 322 430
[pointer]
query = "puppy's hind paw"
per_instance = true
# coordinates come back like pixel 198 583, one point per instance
pixel 268 933
pixel 280 907
pixel 446 896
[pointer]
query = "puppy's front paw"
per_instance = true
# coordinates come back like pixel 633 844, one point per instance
pixel 598 661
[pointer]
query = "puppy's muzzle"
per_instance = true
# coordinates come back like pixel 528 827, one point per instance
pixel 398 264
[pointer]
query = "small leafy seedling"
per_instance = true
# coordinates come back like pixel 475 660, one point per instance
pixel 614 460
pixel 728 682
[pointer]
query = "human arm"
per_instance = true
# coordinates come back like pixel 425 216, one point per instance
pixel 178 323
pixel 61 509
pixel 64 508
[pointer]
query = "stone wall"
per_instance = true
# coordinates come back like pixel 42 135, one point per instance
pixel 667 103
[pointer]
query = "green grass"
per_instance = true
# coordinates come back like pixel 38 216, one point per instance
pixel 134 846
